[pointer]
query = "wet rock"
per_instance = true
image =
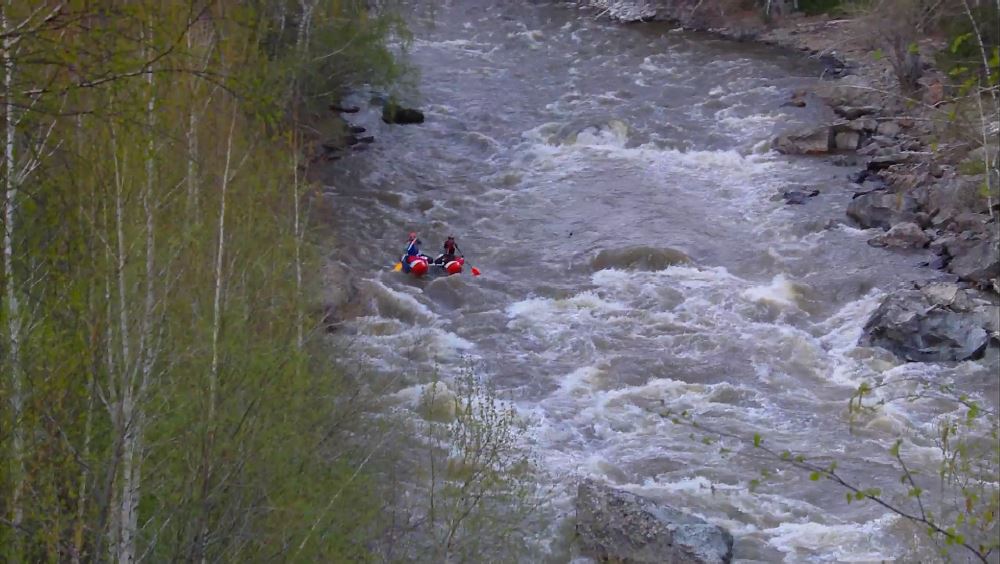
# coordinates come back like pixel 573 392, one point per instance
pixel 394 113
pixel 844 160
pixel 888 128
pixel 344 109
pixel 810 141
pixel 618 526
pixel 929 325
pixel 858 177
pixel 798 196
pixel 847 140
pixel 356 129
pixel 835 66
pixel 905 235
pixel 978 261
pixel 881 209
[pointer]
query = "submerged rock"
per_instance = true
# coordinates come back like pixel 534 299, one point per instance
pixel 394 113
pixel 617 526
pixel 640 257
pixel 940 322
pixel 798 196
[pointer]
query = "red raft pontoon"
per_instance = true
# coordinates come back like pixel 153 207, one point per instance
pixel 422 264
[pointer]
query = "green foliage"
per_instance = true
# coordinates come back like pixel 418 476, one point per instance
pixel 482 482
pixel 163 265
pixel 963 57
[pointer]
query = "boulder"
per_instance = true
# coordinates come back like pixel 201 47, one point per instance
pixel 860 176
pixel 934 324
pixel 394 113
pixel 967 221
pixel 798 196
pixel 881 209
pixel 835 67
pixel 888 128
pixel 854 112
pixel 617 526
pixel 950 197
pixel 810 141
pixel 847 140
pixel 977 261
pixel 860 124
pixel 882 162
pixel 905 235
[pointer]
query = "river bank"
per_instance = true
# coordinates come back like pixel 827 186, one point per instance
pixel 914 180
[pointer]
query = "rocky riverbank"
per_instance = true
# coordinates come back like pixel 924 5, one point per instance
pixel 915 178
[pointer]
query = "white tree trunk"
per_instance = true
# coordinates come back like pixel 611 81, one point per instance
pixel 145 359
pixel 299 317
pixel 11 185
pixel 122 409
pixel 305 23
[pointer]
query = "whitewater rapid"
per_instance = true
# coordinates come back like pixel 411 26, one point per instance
pixel 616 187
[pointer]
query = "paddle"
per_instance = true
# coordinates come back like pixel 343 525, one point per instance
pixel 475 271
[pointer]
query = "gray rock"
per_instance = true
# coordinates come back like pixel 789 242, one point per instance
pixel 863 124
pixel 847 140
pixel 618 526
pixel 939 262
pixel 869 150
pixel 968 221
pixel 888 128
pixel 626 10
pixel 811 141
pixel 977 261
pixel 858 177
pixel 905 235
pixel 854 112
pixel 881 209
pixel 928 326
pixel 798 196
pixel 946 199
pixel 881 162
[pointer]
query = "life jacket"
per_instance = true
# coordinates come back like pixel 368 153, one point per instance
pixel 449 247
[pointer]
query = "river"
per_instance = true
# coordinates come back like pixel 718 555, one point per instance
pixel 574 160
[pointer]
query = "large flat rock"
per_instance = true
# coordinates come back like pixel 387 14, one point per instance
pixel 618 526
